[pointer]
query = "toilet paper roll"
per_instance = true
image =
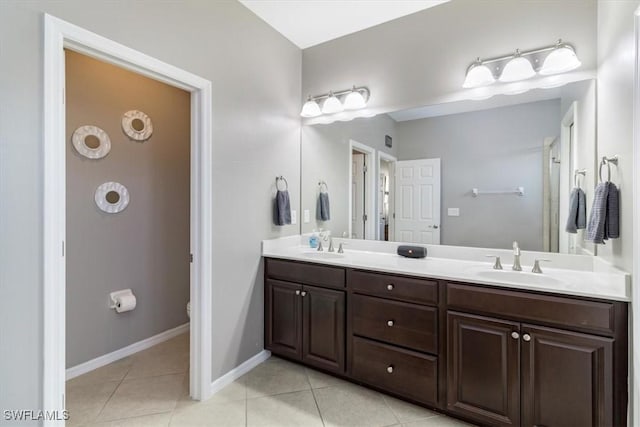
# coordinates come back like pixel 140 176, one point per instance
pixel 125 303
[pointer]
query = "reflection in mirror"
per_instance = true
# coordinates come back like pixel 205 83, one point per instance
pixel 468 173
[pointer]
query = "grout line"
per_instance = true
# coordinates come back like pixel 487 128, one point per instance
pixel 384 399
pixel 306 373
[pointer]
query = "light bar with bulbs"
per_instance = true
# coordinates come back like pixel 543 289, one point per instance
pixel 556 59
pixel 336 102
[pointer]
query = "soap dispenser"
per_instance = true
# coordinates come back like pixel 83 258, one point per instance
pixel 313 240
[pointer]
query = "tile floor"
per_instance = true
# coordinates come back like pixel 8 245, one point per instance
pixel 151 389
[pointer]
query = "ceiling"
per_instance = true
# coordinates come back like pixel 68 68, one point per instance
pixel 307 23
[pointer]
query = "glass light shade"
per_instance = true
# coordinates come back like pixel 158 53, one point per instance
pixel 560 60
pixel 478 75
pixel 519 68
pixel 310 109
pixel 354 100
pixel 332 105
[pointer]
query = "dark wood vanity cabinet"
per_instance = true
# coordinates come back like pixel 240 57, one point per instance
pixel 304 322
pixel 490 355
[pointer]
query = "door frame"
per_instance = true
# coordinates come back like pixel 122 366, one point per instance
pixel 59 35
pixel 370 186
pixel 392 188
pixel 634 371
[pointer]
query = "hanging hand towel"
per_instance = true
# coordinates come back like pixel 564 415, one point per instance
pixel 323 212
pixel 598 218
pixel 574 206
pixel 282 208
pixel 612 225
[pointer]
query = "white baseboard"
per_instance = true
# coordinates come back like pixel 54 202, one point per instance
pixel 238 371
pixel 101 361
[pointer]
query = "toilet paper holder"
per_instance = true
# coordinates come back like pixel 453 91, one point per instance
pixel 116 295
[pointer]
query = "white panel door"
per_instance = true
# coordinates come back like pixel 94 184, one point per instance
pixel 357 196
pixel 418 201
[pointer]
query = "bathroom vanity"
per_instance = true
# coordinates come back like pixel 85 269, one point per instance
pixel 487 351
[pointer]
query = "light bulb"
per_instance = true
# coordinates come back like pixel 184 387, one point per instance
pixel 332 105
pixel 354 101
pixel 310 109
pixel 478 75
pixel 562 59
pixel 518 68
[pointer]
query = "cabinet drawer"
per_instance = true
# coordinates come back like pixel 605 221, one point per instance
pixel 591 316
pixel 311 274
pixel 400 371
pixel 400 288
pixel 409 325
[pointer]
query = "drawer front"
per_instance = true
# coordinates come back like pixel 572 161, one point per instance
pixel 590 316
pixel 407 373
pixel 409 325
pixel 400 288
pixel 311 274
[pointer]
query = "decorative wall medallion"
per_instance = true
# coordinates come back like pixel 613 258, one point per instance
pixel 91 142
pixel 137 125
pixel 112 197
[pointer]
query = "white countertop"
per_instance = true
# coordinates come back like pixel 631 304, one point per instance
pixel 582 276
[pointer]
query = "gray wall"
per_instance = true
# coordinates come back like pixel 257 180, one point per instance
pixel 421 58
pixel 492 149
pixel 145 247
pixel 325 156
pixel 616 43
pixel 256 135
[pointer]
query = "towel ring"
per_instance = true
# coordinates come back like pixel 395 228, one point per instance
pixel 582 172
pixel 286 184
pixel 607 161
pixel 321 183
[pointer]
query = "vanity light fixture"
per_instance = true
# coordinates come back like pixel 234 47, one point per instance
pixel 558 58
pixel 336 102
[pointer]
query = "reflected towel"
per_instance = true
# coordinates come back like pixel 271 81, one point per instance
pixel 577 211
pixel 597 220
pixel 282 208
pixel 612 224
pixel 323 212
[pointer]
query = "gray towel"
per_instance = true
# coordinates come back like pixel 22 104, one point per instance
pixel 596 228
pixel 577 211
pixel 612 224
pixel 282 211
pixel 323 213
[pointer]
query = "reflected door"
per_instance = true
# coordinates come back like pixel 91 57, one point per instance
pixel 358 196
pixel 417 218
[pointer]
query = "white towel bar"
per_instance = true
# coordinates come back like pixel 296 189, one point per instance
pixel 518 191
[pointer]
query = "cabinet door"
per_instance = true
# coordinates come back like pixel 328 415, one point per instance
pixel 566 378
pixel 483 372
pixel 324 328
pixel 283 318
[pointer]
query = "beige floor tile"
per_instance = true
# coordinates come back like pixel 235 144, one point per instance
pixel 85 401
pixel 170 357
pixel 351 405
pixel 275 377
pixel 156 420
pixel 143 396
pixel 318 379
pixel 205 414
pixel 115 371
pixel 439 421
pixel 284 410
pixel 406 412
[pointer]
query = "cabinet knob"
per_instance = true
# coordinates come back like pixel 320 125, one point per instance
pixel 303 293
pixel 297 292
pixel 526 337
pixel 390 287
pixel 515 335
pixel 390 322
pixel 390 369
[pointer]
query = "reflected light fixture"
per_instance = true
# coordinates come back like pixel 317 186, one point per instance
pixel 555 59
pixel 336 102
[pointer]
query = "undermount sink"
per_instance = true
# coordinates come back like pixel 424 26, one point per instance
pixel 519 276
pixel 323 255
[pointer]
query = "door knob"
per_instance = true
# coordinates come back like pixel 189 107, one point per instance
pixel 390 323
pixel 515 335
pixel 526 337
pixel 390 369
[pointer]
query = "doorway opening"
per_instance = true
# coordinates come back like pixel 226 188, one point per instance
pixel 386 197
pixel 361 191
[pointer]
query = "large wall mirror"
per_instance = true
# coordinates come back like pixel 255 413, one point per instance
pixel 466 173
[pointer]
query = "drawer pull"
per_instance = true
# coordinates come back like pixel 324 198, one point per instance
pixel 515 335
pixel 390 323
pixel 526 337
pixel 390 287
pixel 390 369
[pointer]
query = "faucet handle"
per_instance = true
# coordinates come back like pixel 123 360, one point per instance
pixel 498 264
pixel 536 265
pixel 320 248
pixel 340 249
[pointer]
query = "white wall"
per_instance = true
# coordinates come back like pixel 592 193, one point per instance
pixel 256 136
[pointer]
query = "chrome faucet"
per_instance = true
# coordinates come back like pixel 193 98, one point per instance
pixel 516 257
pixel 331 249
